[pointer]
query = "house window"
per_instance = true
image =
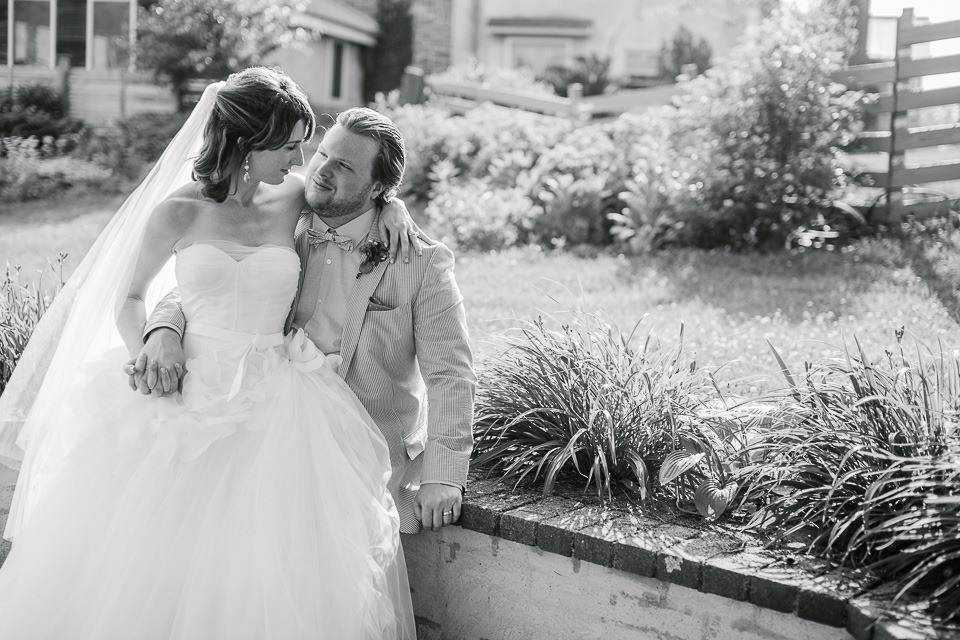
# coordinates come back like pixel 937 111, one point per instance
pixel 92 33
pixel 337 70
pixel 111 28
pixel 538 53
pixel 72 31
pixel 31 32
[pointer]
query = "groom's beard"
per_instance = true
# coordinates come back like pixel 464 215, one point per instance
pixel 333 206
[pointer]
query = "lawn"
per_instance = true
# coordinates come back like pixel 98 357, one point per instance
pixel 730 304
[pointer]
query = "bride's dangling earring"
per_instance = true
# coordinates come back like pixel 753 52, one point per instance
pixel 246 168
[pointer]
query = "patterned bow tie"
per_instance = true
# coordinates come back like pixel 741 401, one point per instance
pixel 316 238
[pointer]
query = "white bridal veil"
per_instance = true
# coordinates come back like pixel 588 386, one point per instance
pixel 80 326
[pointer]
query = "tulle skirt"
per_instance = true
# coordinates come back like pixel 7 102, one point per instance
pixel 255 505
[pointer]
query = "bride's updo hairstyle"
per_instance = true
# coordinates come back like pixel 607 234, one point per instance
pixel 256 109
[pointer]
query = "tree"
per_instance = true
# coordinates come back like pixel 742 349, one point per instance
pixel 592 71
pixel 393 52
pixel 182 39
pixel 683 50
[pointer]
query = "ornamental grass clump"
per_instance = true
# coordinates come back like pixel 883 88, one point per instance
pixel 21 307
pixel 586 399
pixel 870 468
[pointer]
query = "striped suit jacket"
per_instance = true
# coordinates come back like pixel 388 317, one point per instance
pixel 406 355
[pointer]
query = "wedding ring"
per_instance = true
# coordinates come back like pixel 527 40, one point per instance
pixel 448 513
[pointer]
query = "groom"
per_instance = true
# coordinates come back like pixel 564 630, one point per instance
pixel 400 329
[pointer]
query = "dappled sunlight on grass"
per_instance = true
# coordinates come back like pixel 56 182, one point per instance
pixel 730 304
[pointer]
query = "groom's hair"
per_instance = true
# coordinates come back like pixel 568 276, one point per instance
pixel 391 156
pixel 256 109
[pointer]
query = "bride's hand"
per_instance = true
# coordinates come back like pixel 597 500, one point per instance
pixel 399 229
pixel 160 366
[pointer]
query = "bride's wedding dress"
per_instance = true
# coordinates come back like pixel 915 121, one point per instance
pixel 254 505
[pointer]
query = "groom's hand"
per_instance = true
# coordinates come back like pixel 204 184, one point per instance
pixel 159 367
pixel 437 505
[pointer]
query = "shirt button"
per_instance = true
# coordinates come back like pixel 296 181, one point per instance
pixel 329 261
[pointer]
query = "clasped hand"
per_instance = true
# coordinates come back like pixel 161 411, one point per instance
pixel 159 368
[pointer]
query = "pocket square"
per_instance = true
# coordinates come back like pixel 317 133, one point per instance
pixel 377 305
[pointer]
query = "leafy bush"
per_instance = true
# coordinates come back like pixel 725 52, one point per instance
pixel 577 182
pixel 591 72
pixel 751 153
pixel 680 51
pixel 869 467
pixel 584 399
pixel 472 216
pixel 35 110
pixel 21 307
pixel 27 173
pixel 492 143
pixel 133 144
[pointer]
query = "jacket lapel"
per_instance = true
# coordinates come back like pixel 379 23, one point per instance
pixel 303 250
pixel 364 287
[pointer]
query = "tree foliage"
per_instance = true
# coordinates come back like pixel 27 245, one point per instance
pixel 592 71
pixel 182 39
pixel 385 63
pixel 683 49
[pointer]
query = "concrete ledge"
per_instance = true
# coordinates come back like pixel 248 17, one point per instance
pixel 706 558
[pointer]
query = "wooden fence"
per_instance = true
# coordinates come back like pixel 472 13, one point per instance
pixel 462 96
pixel 899 92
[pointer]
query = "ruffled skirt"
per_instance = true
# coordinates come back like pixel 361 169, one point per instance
pixel 256 505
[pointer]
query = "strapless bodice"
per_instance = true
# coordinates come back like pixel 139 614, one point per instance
pixel 231 286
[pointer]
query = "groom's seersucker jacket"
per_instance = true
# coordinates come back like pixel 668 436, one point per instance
pixel 406 355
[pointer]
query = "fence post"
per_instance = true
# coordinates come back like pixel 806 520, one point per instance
pixel 575 94
pixel 411 86
pixel 898 121
pixel 63 82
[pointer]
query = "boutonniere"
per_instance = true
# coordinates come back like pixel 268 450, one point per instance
pixel 374 252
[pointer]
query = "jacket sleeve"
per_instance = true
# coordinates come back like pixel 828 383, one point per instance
pixel 446 363
pixel 167 314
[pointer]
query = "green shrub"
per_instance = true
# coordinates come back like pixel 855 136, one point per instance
pixel 868 469
pixel 35 110
pixel 472 216
pixel 26 173
pixel 591 72
pixel 577 181
pixel 21 307
pixel 585 399
pixel 135 143
pixel 751 153
pixel 492 143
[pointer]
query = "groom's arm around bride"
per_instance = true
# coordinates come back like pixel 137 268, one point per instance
pixel 400 328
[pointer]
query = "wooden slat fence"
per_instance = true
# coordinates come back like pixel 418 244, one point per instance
pixel 897 97
pixel 461 96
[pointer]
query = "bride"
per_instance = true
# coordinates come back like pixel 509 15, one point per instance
pixel 254 504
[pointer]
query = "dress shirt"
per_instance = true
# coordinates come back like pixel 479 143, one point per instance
pixel 329 278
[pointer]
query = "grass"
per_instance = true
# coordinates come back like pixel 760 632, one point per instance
pixel 730 304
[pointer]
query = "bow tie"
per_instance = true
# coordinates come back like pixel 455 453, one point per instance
pixel 316 238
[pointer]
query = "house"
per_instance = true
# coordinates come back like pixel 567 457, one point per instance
pixel 539 33
pixel 329 66
pixel 82 45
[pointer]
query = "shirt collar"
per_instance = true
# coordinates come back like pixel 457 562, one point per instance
pixel 357 229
